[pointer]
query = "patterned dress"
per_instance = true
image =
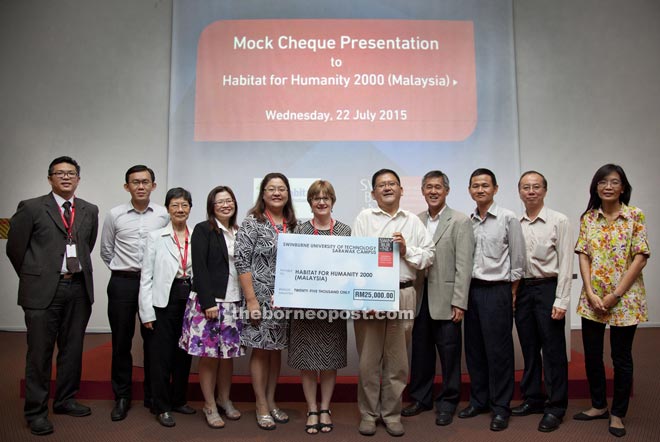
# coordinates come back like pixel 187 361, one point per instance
pixel 255 252
pixel 611 246
pixel 318 344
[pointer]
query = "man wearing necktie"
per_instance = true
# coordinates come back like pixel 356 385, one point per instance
pixel 49 245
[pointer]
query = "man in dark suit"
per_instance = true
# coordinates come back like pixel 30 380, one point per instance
pixel 49 245
pixel 440 308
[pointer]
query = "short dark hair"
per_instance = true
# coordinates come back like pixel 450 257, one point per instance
pixel 210 206
pixel 594 200
pixel 533 172
pixel 177 192
pixel 259 207
pixel 140 168
pixel 383 172
pixel 483 171
pixel 436 174
pixel 321 186
pixel 63 159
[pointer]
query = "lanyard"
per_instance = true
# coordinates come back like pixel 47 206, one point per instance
pixel 272 223
pixel 332 227
pixel 184 257
pixel 67 226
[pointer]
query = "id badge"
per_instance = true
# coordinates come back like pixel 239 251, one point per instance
pixel 71 251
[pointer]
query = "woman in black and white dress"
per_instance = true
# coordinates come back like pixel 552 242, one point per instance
pixel 266 331
pixel 317 347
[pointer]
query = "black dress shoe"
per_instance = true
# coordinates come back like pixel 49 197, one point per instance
pixel 549 423
pixel 414 409
pixel 525 409
pixel 471 411
pixel 120 410
pixel 585 417
pixel 73 408
pixel 499 423
pixel 166 420
pixel 184 409
pixel 41 426
pixel 443 418
pixel 614 431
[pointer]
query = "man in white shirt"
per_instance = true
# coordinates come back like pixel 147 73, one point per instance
pixel 382 343
pixel 541 304
pixel 123 238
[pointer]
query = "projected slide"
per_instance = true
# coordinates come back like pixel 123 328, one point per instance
pixel 337 90
pixel 278 80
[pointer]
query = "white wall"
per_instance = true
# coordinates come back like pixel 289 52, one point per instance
pixel 588 94
pixel 90 78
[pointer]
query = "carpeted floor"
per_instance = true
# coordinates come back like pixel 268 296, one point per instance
pixel 643 422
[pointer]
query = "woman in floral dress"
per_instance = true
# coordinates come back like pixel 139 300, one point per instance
pixel 212 325
pixel 613 249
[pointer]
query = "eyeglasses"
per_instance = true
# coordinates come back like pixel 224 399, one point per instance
pixel 65 173
pixel 183 206
pixel 273 189
pixel 220 203
pixel 321 199
pixel 612 183
pixel 391 184
pixel 137 183
pixel 535 187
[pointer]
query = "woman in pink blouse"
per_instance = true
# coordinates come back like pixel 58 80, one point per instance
pixel 613 249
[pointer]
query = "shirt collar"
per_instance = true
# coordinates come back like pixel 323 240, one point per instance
pixel 624 212
pixel 130 208
pixel 378 210
pixel 60 201
pixel 543 216
pixel 437 217
pixel 223 228
pixel 492 210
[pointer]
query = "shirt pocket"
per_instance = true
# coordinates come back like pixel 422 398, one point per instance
pixel 542 250
pixel 493 248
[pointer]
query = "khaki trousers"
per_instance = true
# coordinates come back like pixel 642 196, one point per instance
pixel 383 370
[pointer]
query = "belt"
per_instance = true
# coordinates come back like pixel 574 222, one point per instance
pixel 181 281
pixel 405 285
pixel 71 276
pixel 126 274
pixel 537 281
pixel 483 282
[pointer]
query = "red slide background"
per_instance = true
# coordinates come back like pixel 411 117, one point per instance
pixel 432 113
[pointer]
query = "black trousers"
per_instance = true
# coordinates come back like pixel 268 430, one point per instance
pixel 489 346
pixel 538 332
pixel 621 339
pixel 170 366
pixel 446 337
pixel 64 321
pixel 123 293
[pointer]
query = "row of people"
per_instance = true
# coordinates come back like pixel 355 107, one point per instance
pixel 453 268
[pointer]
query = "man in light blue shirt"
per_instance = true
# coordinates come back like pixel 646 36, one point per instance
pixel 123 238
pixel 499 262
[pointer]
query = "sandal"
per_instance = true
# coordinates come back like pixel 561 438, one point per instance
pixel 323 427
pixel 265 422
pixel 316 427
pixel 229 411
pixel 279 415
pixel 213 419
